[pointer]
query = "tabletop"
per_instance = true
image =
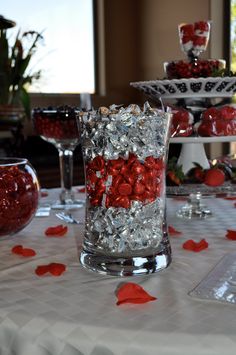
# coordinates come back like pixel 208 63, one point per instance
pixel 76 313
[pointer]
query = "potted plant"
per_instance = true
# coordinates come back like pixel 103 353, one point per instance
pixel 14 64
pixel 15 77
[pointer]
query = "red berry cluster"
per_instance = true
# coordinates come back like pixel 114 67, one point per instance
pixel 55 126
pixel 131 180
pixel 181 125
pixel 18 199
pixel 218 122
pixel 195 69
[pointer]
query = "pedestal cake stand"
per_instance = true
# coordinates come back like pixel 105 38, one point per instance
pixel 195 95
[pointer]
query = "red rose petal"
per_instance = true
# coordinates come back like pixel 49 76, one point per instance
pixel 27 252
pixel 173 231
pixel 189 245
pixel 201 245
pixel 41 270
pixel 133 293
pixel 231 234
pixel 56 231
pixel 194 246
pixel 44 193
pixel 56 269
pixel 82 190
pixel 20 250
pixel 17 249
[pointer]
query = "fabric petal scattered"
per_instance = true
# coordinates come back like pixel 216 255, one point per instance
pixel 81 189
pixel 195 246
pixel 231 234
pixel 133 293
pixel 56 231
pixel 17 249
pixel 55 269
pixel 28 252
pixel 41 270
pixel 173 231
pixel 20 250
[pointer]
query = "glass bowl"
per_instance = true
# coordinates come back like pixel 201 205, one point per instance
pixel 57 125
pixel 19 194
pixel 198 68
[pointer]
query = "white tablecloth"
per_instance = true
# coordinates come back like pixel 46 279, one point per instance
pixel 76 313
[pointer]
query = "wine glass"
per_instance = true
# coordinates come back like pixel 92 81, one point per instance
pixel 194 38
pixel 59 127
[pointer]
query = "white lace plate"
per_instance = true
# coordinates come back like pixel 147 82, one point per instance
pixel 187 88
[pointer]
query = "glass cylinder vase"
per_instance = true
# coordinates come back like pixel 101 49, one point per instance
pixel 125 153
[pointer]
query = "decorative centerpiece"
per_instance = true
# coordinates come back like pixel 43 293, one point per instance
pixel 193 41
pixel 125 151
pixel 196 87
pixel 19 189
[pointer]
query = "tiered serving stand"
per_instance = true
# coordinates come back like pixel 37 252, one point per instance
pixel 195 95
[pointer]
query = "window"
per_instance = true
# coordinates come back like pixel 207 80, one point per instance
pixel 67 56
pixel 233 35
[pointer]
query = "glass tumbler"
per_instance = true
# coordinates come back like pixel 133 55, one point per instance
pixel 125 153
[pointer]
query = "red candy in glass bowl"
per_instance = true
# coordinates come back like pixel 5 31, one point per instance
pixel 19 194
pixel 194 37
pixel 56 124
pixel 193 41
pixel 199 68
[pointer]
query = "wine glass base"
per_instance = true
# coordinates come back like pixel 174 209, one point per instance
pixel 194 208
pixel 68 205
pixel 189 212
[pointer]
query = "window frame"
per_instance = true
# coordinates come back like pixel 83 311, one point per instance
pixel 56 99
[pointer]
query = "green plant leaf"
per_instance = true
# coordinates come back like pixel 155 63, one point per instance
pixel 14 62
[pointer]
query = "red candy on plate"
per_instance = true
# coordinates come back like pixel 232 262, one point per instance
pixel 217 122
pixel 182 123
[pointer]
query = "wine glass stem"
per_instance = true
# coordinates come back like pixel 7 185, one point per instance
pixel 66 174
